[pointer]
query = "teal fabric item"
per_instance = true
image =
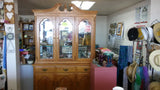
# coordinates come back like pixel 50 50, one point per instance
pixel 98 65
pixel 142 77
pixel 137 83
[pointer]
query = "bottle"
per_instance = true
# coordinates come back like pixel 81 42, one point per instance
pixel 1 70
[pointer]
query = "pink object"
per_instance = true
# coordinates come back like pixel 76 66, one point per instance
pixel 105 49
pixel 100 48
pixel 103 78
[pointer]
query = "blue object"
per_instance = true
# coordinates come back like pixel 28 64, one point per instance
pixel 97 46
pixel 108 56
pixel 21 50
pixel 125 56
pixel 109 61
pixel 4 52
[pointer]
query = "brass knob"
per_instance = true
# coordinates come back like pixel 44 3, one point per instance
pixel 65 69
pixel 85 69
pixel 44 69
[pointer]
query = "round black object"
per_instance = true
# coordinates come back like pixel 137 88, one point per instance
pixel 133 34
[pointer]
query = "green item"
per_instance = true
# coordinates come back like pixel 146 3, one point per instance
pixel 138 79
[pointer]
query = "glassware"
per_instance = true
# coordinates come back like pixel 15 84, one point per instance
pixel 46 39
pixel 84 37
pixel 65 39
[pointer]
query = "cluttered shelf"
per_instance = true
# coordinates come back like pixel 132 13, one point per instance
pixel 105 57
pixel 27 56
pixel 27 42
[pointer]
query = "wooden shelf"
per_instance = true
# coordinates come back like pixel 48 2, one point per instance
pixel 1 23
pixel 27 30
pixel 28 38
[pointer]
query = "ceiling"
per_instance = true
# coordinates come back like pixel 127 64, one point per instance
pixel 104 7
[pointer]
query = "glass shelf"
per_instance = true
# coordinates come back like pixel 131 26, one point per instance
pixel 46 39
pixel 84 39
pixel 65 39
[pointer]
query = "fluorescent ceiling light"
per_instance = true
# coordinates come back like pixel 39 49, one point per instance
pixel 84 5
pixel 77 3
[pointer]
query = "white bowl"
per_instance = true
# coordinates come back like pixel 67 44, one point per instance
pixel 30 62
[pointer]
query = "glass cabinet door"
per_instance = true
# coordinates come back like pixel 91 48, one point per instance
pixel 84 39
pixel 46 39
pixel 65 39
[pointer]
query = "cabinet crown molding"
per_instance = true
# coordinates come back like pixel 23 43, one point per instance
pixel 63 9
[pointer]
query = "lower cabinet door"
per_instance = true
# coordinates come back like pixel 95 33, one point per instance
pixel 66 80
pixel 44 81
pixel 83 81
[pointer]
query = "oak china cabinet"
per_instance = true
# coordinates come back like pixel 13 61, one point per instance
pixel 65 47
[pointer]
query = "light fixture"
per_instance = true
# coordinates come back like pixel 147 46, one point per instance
pixel 84 5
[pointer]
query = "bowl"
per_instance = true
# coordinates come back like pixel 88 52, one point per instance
pixel 30 62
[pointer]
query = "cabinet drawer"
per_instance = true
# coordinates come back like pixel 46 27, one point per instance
pixel 45 69
pixel 83 69
pixel 66 69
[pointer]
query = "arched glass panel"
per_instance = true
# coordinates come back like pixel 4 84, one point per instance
pixel 46 39
pixel 84 39
pixel 65 39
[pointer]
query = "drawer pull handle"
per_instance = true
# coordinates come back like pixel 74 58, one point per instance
pixel 65 69
pixel 44 69
pixel 85 69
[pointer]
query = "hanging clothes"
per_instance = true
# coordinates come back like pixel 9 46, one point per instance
pixel 142 78
pixel 130 54
pixel 146 78
pixel 125 56
pixel 125 79
pixel 139 77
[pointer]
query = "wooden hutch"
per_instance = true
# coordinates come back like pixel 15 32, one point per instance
pixel 65 47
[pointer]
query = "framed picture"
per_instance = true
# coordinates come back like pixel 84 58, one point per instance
pixel 2 15
pixel 25 26
pixel 30 27
pixel 119 29
pixel 1 4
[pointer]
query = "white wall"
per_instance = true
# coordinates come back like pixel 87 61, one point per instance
pixel 155 10
pixel 101 31
pixel 127 17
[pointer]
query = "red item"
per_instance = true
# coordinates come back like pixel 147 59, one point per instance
pixel 24 53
